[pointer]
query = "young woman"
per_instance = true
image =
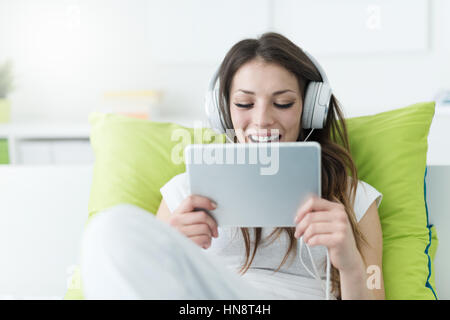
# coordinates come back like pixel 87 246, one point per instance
pixel 182 254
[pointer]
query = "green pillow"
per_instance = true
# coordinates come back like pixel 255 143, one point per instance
pixel 390 152
pixel 389 149
pixel 133 159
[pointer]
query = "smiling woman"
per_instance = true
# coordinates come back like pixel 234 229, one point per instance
pixel 184 254
pixel 263 87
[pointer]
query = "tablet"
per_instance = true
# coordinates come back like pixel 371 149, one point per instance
pixel 255 184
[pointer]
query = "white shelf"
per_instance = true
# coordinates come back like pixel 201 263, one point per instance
pixel 47 143
pixel 44 130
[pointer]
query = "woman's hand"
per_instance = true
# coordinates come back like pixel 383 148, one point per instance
pixel 192 220
pixel 322 222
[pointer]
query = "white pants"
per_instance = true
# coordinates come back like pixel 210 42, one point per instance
pixel 127 253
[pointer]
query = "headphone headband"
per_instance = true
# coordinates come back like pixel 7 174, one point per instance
pixel 318 67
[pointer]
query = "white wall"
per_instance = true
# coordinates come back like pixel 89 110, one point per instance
pixel 68 52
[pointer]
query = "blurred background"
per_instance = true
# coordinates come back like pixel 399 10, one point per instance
pixel 155 58
pixel 63 59
pixel 68 53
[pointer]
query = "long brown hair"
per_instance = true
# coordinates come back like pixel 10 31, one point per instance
pixel 337 162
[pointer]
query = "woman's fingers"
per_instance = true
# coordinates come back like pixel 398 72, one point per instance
pixel 315 203
pixel 196 230
pixel 193 202
pixel 309 218
pixel 318 228
pixel 329 240
pixel 193 210
pixel 198 217
pixel 202 240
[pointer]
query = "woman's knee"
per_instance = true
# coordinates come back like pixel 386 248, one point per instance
pixel 114 218
pixel 126 225
pixel 126 237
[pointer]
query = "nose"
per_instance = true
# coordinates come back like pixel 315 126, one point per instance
pixel 263 116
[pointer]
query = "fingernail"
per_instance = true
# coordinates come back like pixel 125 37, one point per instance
pixel 214 205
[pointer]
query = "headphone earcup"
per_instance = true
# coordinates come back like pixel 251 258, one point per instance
pixel 321 105
pixel 212 110
pixel 315 109
pixel 309 104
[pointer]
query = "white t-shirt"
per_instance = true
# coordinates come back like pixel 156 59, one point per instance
pixel 292 281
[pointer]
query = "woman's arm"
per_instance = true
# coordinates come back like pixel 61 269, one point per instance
pixel 163 213
pixel 323 222
pixel 370 273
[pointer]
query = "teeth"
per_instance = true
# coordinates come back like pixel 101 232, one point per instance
pixel 264 138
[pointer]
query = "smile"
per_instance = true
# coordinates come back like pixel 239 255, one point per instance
pixel 258 139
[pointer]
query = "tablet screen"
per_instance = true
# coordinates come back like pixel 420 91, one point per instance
pixel 255 184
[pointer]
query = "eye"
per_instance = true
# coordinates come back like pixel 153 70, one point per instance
pixel 284 106
pixel 240 105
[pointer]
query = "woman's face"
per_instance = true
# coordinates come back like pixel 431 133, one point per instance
pixel 263 97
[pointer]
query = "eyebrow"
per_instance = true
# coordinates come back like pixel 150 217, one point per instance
pixel 275 93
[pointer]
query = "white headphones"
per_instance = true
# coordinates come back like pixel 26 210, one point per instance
pixel 315 107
